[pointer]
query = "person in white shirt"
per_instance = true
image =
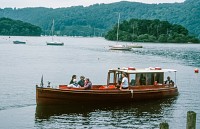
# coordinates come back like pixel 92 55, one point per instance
pixel 124 84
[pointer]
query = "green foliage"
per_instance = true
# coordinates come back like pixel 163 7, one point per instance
pixel 150 31
pixel 18 28
pixel 102 17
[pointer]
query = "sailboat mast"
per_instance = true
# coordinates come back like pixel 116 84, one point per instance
pixel 133 29
pixel 52 29
pixel 118 27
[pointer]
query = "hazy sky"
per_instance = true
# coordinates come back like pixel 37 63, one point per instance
pixel 68 3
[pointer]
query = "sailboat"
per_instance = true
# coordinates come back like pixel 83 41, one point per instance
pixel 118 46
pixel 55 43
pixel 134 45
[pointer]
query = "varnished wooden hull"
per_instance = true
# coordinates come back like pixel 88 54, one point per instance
pixel 51 96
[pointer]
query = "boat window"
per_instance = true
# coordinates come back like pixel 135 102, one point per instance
pixel 132 79
pixel 141 79
pixel 150 78
pixel 159 77
pixel 137 82
pixel 111 79
pixel 119 78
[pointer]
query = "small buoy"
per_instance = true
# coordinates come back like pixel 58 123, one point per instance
pixel 196 70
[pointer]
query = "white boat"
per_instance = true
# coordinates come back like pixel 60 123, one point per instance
pixel 55 43
pixel 134 46
pixel 119 46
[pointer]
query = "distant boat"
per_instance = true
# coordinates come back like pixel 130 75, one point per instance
pixel 19 42
pixel 118 46
pixel 134 46
pixel 55 43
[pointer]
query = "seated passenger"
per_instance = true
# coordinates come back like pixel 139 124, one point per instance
pixel 73 79
pixel 132 82
pixel 81 82
pixel 142 80
pixel 169 81
pixel 88 84
pixel 73 83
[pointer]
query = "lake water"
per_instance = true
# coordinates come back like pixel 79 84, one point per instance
pixel 21 68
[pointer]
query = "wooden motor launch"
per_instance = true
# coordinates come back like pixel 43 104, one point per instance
pixel 153 87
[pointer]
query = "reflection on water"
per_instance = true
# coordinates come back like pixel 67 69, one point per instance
pixel 187 53
pixel 134 115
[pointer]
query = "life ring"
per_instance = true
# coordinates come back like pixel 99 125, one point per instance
pixel 158 68
pixel 131 68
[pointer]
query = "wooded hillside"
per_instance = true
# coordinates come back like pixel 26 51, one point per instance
pixel 18 28
pixel 96 20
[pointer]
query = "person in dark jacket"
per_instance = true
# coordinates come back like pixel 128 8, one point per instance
pixel 169 81
pixel 81 82
pixel 142 79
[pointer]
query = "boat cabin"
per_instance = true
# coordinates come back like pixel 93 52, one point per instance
pixel 139 77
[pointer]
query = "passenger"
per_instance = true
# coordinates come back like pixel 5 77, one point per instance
pixel 73 79
pixel 73 82
pixel 169 81
pixel 88 84
pixel 124 84
pixel 142 79
pixel 81 82
pixel 132 82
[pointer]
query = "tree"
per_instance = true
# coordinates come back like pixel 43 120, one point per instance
pixel 142 30
pixel 18 28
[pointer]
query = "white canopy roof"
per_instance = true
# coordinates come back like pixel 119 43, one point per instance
pixel 144 70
